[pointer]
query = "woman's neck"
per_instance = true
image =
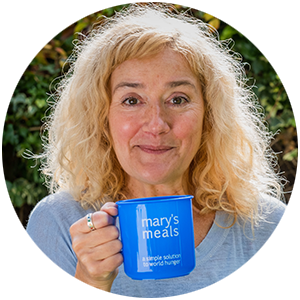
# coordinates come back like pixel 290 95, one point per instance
pixel 137 189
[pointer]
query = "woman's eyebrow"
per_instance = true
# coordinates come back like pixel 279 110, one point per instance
pixel 171 84
pixel 128 84
pixel 177 83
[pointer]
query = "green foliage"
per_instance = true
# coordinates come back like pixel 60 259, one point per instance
pixel 36 42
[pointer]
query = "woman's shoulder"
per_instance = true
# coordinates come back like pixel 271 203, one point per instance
pixel 56 201
pixel 276 207
pixel 60 207
pixel 59 198
pixel 271 209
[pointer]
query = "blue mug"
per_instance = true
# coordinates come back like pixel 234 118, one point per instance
pixel 157 234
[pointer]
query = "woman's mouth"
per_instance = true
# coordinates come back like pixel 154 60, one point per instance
pixel 155 149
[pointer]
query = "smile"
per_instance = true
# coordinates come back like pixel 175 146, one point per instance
pixel 154 150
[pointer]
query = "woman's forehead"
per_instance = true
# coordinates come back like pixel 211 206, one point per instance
pixel 167 65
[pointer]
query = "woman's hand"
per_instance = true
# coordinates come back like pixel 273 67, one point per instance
pixel 98 251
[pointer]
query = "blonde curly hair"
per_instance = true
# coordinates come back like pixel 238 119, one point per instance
pixel 233 167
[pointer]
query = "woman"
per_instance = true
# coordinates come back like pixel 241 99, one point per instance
pixel 155 105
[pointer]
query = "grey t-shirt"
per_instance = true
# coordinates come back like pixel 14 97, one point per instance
pixel 222 251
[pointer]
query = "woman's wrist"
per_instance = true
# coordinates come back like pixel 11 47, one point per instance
pixel 82 287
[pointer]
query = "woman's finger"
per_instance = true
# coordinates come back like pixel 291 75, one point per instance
pixel 96 237
pixel 106 250
pixel 100 219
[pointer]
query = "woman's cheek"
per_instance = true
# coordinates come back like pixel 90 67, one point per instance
pixel 123 129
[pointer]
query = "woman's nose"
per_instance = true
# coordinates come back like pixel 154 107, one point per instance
pixel 156 120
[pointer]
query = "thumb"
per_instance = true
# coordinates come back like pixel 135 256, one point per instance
pixel 110 208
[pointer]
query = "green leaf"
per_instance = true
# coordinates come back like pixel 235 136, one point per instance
pixel 40 103
pixel 257 66
pixel 7 284
pixel 288 118
pixel 16 244
pixel 108 11
pixel 276 123
pixel 228 32
pixel 18 201
pixel 9 136
pixel 23 131
pixel 19 99
pixel 6 185
pixel 80 26
pixel 25 25
pixel 291 155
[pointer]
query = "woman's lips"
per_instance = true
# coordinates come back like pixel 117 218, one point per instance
pixel 155 149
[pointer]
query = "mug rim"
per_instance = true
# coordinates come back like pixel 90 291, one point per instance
pixel 154 199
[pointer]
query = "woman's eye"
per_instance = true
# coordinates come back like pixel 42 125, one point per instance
pixel 179 100
pixel 131 101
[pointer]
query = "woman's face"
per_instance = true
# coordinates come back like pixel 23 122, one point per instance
pixel 156 117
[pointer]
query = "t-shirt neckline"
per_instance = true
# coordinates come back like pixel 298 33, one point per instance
pixel 215 236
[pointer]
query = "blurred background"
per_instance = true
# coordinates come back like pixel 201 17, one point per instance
pixel 36 42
